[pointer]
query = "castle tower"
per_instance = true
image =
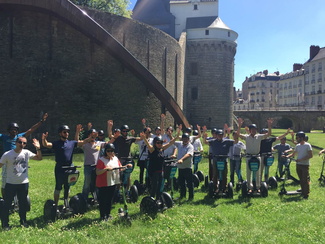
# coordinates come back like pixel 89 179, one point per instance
pixel 209 55
pixel 210 50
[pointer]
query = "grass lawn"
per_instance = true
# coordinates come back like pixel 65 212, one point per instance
pixel 204 220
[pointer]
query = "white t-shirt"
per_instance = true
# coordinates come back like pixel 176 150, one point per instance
pixel 170 150
pixel 91 152
pixel 302 151
pixel 17 166
pixel 143 149
pixel 182 150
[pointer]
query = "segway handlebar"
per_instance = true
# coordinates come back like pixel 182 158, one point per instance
pixel 251 155
pixel 70 167
pixel 117 168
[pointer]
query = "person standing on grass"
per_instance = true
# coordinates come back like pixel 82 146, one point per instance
pixel 304 153
pixel 156 161
pixel 91 155
pixel 281 148
pixel 9 142
pixel 253 146
pixel 219 146
pixel 63 150
pixel 185 151
pixel 266 146
pixel 108 178
pixel 17 182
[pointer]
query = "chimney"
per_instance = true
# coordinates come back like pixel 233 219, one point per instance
pixel 297 67
pixel 313 51
pixel 265 72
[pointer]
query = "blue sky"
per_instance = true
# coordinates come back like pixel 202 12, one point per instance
pixel 273 34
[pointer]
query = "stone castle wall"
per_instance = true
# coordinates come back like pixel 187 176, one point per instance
pixel 49 66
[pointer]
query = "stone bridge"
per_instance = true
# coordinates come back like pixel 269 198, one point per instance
pixel 301 120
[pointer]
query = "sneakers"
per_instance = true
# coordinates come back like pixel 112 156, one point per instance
pixel 6 228
pixel 24 223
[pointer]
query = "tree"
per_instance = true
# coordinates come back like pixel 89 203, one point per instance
pixel 118 7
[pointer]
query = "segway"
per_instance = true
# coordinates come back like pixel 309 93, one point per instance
pixel 283 190
pixel 170 169
pixel 76 205
pixel 322 176
pixel 197 157
pixel 152 206
pixel 123 213
pixel 131 195
pixel 254 165
pixel 143 188
pixel 218 190
pixel 268 160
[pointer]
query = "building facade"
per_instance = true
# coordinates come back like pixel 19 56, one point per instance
pixel 301 88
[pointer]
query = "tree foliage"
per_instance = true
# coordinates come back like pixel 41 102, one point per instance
pixel 118 7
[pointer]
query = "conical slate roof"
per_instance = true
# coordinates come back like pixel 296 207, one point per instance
pixel 152 11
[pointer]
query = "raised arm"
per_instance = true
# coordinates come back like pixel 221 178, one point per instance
pixel 240 123
pixel 45 143
pixel 38 124
pixel 78 130
pixel 149 146
pixel 284 135
pixel 171 142
pixel 109 128
pixel 38 150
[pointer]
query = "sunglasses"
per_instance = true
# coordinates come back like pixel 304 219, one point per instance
pixel 22 142
pixel 65 132
pixel 124 131
pixel 109 150
pixel 159 142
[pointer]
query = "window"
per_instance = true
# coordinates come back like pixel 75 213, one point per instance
pixel 193 68
pixel 195 7
pixel 194 93
pixel 228 33
pixel 206 32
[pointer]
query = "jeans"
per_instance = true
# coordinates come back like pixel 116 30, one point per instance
pixel 88 180
pixel 156 180
pixel 21 190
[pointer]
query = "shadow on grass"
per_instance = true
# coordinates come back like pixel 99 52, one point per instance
pixel 295 198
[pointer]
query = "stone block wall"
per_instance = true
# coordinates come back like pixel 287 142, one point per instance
pixel 49 66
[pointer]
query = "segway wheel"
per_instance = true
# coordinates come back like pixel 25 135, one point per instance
pixel 230 192
pixel 206 181
pixel 134 193
pixel 149 206
pixel 78 204
pixel 264 190
pixel 167 199
pixel 211 189
pixel 28 204
pixel 244 189
pixel 273 182
pixel 196 180
pixel 200 175
pixel 50 211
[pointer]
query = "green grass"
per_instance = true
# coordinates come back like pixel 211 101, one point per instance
pixel 257 220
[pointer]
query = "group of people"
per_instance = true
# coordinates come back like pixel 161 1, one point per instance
pixel 109 159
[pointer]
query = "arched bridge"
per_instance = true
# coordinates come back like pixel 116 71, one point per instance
pixel 301 120
pixel 79 20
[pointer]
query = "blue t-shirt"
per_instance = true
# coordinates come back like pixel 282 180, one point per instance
pixel 63 152
pixel 8 142
pixel 220 147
